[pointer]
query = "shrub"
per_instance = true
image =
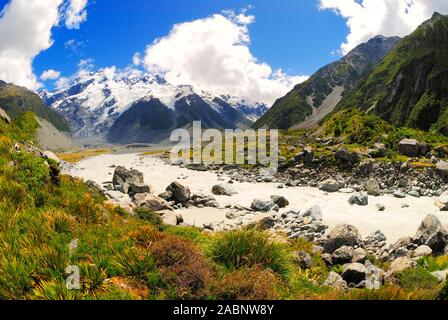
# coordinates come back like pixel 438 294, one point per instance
pixel 146 235
pixel 183 266
pixel 249 247
pixel 150 216
pixel 418 278
pixel 247 284
pixel 31 171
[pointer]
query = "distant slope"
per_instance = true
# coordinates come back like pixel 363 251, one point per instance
pixel 410 86
pixel 50 138
pixel 16 100
pixel 307 103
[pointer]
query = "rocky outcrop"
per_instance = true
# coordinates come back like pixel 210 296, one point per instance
pixel 129 181
pixel 431 233
pixel 179 193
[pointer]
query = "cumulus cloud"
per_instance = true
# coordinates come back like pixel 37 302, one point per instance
pixel 213 54
pixel 368 18
pixel 50 75
pixel 75 13
pixel 25 31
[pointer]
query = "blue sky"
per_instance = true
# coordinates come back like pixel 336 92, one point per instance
pixel 292 35
pixel 257 49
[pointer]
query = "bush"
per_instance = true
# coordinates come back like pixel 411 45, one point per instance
pixel 150 216
pixel 249 247
pixel 146 235
pixel 247 284
pixel 418 278
pixel 182 266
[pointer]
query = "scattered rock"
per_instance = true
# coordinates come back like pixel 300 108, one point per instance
pixel 359 255
pixel 398 194
pixel 303 259
pixel 151 201
pixel 342 255
pixel 263 206
pixel 400 265
pixel 431 233
pixel 422 251
pixel 354 273
pixel 380 207
pixel 197 167
pixel 409 147
pixel 180 193
pixel 373 188
pixel 336 281
pixel 314 212
pixel 342 235
pixel 346 156
pixel 305 155
pixel 329 185
pixel 280 201
pixel 223 190
pixel 359 198
pixel 442 168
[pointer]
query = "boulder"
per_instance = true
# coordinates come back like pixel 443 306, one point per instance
pixel 342 255
pixel 306 155
pixel 342 235
pixel 51 156
pixel 359 255
pixel 422 251
pixel 354 273
pixel 409 147
pixel 263 221
pixel 181 194
pixel 151 201
pixel 442 202
pixel 302 259
pixel 401 264
pixel 263 206
pixel 442 168
pixel 4 116
pixel 335 280
pixel 314 212
pixel 280 201
pixel 329 185
pixel 123 178
pixel 431 233
pixel 373 187
pixel 197 167
pixel 135 188
pixel 172 218
pixel 380 207
pixel 359 198
pixel 95 187
pixel 345 156
pixel 223 190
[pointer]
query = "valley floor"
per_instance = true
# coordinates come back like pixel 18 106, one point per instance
pixel 395 222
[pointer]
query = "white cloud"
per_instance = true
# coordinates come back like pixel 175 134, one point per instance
pixel 50 75
pixel 213 54
pixel 137 59
pixel 75 14
pixel 25 31
pixel 368 18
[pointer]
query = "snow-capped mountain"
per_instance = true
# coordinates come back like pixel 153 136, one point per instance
pixel 107 102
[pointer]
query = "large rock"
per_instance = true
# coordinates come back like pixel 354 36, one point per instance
pixel 335 280
pixel 95 187
pixel 342 235
pixel 442 168
pixel 197 167
pixel 359 198
pixel 135 188
pixel 123 178
pixel 171 218
pixel 180 193
pixel 401 264
pixel 409 147
pixel 4 116
pixel 342 255
pixel 373 187
pixel 329 185
pixel 51 156
pixel 263 206
pixel 306 155
pixel 431 233
pixel 223 190
pixel 345 156
pixel 354 273
pixel 422 251
pixel 151 201
pixel 442 202
pixel 359 255
pixel 280 201
pixel 263 221
pixel 314 212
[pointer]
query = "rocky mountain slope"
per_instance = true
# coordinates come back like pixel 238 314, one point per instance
pixel 133 108
pixel 310 101
pixel 410 86
pixel 16 100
